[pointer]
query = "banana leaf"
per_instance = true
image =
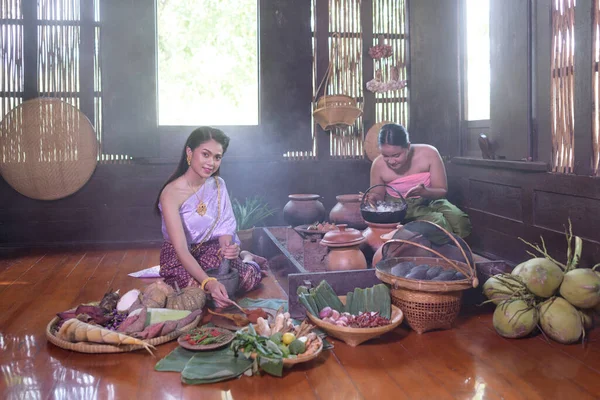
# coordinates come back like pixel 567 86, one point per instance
pixel 214 366
pixel 175 361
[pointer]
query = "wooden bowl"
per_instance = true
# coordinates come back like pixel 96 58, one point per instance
pixel 355 336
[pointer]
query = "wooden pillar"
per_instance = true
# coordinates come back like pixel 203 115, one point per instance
pixel 583 144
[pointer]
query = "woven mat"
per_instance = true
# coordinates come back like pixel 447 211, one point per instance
pixel 48 149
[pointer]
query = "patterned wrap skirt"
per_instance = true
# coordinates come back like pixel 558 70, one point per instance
pixel 209 258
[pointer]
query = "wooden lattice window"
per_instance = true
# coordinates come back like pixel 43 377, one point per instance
pixel 387 22
pixel 563 70
pixel 596 80
pixel 389 25
pixel 51 48
pixel 345 54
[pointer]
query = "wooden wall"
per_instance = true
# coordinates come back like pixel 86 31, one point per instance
pixel 434 70
pixel 115 206
pixel 506 203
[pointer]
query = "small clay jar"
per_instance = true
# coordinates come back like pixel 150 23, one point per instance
pixel 303 209
pixel 374 231
pixel 344 249
pixel 347 211
pixel 385 237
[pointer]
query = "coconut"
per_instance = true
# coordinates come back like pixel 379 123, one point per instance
pixel 560 320
pixel 541 276
pixel 581 287
pixel 518 268
pixel 497 289
pixel 515 319
pixel 587 317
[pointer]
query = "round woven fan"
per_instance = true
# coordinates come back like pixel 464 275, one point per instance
pixel 371 146
pixel 48 149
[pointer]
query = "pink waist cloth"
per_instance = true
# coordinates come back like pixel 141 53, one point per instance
pixel 405 183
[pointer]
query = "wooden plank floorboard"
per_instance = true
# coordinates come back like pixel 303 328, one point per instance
pixel 506 358
pixel 469 361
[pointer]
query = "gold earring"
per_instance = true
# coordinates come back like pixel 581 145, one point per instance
pixel 189 160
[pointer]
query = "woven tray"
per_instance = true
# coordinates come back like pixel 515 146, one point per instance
pixel 288 362
pixel 96 348
pixel 355 336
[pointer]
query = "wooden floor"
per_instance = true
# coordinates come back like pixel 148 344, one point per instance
pixel 470 361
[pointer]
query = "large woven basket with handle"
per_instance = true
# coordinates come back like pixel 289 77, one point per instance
pixel 429 305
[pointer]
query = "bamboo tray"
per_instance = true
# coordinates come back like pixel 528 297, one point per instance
pixel 355 336
pixel 97 348
pixel 288 362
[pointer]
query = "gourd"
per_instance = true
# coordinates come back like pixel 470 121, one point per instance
pixel 189 298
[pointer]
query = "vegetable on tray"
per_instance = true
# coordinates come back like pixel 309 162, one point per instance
pixel 365 308
pixel 74 330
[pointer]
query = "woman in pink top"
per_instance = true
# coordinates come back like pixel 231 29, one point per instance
pixel 418 173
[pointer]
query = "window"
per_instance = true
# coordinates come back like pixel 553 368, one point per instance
pixel 207 62
pixel 389 26
pixel 478 60
pixel 596 80
pixel 563 70
pixel 64 41
pixel 346 25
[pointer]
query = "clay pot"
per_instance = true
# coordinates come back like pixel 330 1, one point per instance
pixel 385 237
pixel 344 249
pixel 347 211
pixel 245 237
pixel 303 209
pixel 373 234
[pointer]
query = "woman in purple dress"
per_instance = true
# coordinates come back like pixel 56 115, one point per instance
pixel 198 224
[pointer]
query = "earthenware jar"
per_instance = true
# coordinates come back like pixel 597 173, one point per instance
pixel 303 209
pixel 344 249
pixel 374 231
pixel 385 237
pixel 347 211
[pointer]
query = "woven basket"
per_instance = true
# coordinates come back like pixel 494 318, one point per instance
pixel 50 149
pixel 371 144
pixel 426 311
pixel 96 348
pixel 336 110
pixel 355 336
pixel 429 305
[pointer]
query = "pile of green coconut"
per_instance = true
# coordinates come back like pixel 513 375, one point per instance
pixel 559 299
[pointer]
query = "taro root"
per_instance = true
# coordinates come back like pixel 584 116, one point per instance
pixel 581 288
pixel 434 271
pixel 560 320
pixel 541 276
pixel 515 319
pixel 447 275
pixel 419 272
pixel 403 268
pixel 458 276
pixel 128 300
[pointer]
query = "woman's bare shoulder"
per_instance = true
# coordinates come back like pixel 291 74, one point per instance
pixel 174 193
pixel 425 148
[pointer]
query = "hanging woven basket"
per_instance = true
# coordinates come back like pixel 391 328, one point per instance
pixel 334 110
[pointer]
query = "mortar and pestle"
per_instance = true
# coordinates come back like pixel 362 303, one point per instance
pixel 229 277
